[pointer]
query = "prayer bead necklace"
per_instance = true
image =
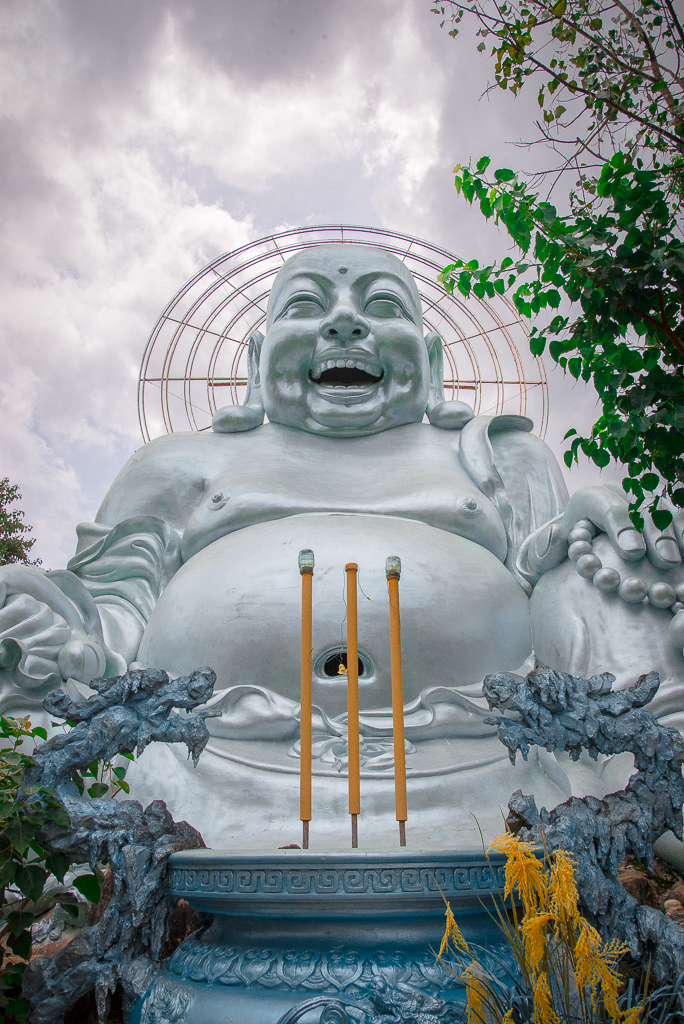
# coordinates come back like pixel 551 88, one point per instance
pixel 632 589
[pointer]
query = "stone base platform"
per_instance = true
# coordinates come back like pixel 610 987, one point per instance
pixel 330 938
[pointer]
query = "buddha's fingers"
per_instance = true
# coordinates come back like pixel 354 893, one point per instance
pixel 663 549
pixel 543 550
pixel 608 511
pixel 677 525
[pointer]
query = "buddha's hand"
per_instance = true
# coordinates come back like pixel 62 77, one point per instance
pixel 42 635
pixel 604 509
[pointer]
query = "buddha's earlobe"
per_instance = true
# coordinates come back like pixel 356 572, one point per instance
pixel 233 418
pixel 446 415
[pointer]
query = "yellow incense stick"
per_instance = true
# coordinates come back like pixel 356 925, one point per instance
pixel 306 568
pixel 393 572
pixel 353 699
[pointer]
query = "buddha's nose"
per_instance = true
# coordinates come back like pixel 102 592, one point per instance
pixel 344 325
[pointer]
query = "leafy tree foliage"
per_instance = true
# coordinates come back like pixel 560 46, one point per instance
pixel 15 543
pixel 611 94
pixel 31 878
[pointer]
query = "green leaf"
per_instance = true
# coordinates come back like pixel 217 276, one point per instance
pixel 31 880
pixel 661 518
pixel 120 772
pixel 558 10
pixel 601 457
pixel 58 865
pixel 18 1008
pixel 8 870
pixel 97 789
pixel 20 833
pixel 18 921
pixel 88 886
pixel 59 816
pixel 649 481
pixel 483 163
pixel 504 174
pixel 20 944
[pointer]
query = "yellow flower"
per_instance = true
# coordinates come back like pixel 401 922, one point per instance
pixel 535 939
pixel 453 932
pixel 544 1012
pixel 562 888
pixel 595 968
pixel 524 872
pixel 480 1004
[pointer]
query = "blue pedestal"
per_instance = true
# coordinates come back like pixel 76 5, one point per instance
pixel 316 937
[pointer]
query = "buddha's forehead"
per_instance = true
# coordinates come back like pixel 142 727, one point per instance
pixel 356 266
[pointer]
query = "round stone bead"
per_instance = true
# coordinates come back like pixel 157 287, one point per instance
pixel 585 524
pixel 633 590
pixel 588 566
pixel 607 580
pixel 661 595
pixel 579 548
pixel 679 591
pixel 579 533
pixel 677 629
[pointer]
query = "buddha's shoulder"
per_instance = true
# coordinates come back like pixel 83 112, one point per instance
pixel 203 451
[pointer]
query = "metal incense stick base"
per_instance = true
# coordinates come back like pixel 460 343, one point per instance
pixel 292 927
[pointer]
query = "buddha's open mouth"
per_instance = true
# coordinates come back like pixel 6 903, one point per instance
pixel 338 373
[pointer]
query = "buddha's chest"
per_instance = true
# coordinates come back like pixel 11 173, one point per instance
pixel 421 483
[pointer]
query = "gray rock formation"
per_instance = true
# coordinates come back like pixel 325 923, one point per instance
pixel 125 714
pixel 565 712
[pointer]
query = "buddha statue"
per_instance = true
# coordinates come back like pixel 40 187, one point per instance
pixel 192 561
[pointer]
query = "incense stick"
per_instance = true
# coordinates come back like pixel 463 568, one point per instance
pixel 306 568
pixel 393 572
pixel 353 700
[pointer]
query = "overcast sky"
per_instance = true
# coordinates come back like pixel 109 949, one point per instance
pixel 143 138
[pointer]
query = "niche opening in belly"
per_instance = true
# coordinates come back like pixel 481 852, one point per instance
pixel 332 665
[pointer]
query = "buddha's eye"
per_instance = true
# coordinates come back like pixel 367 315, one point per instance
pixel 385 307
pixel 302 306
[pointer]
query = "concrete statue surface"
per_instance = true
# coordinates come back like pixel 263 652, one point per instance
pixel 192 561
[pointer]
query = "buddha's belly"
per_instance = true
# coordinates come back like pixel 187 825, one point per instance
pixel 236 606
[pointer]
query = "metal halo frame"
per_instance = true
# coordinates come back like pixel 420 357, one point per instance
pixel 195 359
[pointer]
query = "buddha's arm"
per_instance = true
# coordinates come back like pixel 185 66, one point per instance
pixel 128 555
pixel 519 474
pixel 88 620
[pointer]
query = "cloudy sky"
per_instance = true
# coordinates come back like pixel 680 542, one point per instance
pixel 140 140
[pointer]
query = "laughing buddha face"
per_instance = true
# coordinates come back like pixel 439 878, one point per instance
pixel 344 352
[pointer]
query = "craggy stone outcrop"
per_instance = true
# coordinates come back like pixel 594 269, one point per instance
pixel 565 712
pixel 126 714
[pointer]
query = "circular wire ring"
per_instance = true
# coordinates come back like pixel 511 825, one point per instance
pixel 195 360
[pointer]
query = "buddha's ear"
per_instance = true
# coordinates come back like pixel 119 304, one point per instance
pixel 233 418
pixel 446 415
